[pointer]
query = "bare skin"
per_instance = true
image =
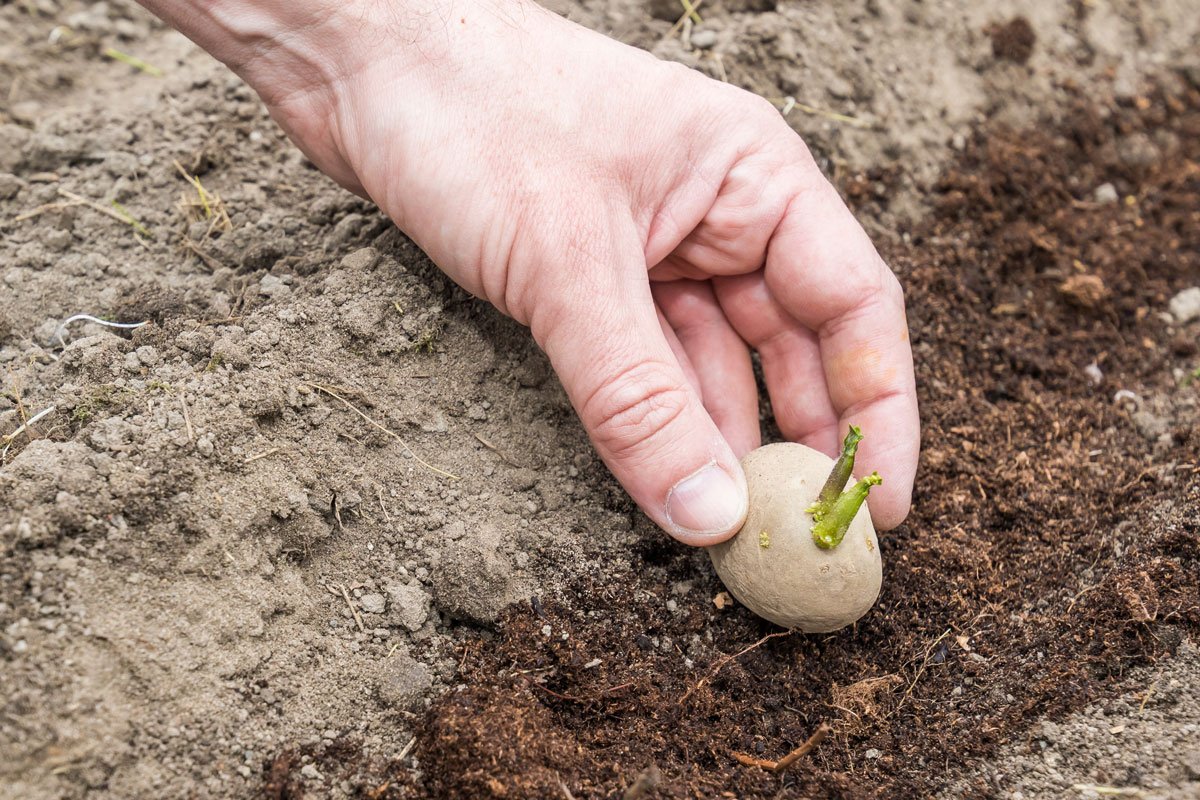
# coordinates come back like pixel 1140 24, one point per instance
pixel 651 226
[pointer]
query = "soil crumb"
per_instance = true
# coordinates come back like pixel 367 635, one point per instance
pixel 1014 40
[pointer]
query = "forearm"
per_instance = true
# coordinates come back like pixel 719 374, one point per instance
pixel 275 45
pixel 288 47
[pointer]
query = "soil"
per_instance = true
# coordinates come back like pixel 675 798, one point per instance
pixel 232 563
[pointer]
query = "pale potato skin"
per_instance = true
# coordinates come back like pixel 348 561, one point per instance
pixel 793 582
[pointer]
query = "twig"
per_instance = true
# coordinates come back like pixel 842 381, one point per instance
pixel 103 209
pixel 187 419
pixel 131 220
pixel 1146 695
pixel 687 14
pixel 43 209
pixel 790 103
pixel 404 751
pixel 337 514
pixel 257 456
pixel 791 758
pixel 386 516
pixel 210 261
pixel 504 456
pixel 353 609
pixel 133 61
pixel 1108 791
pixel 374 424
pixel 724 661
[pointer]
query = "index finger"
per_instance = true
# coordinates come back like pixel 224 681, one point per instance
pixel 823 269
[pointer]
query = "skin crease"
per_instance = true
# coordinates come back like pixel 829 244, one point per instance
pixel 650 225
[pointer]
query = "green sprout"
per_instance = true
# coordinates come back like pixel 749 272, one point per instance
pixel 837 506
pixel 836 481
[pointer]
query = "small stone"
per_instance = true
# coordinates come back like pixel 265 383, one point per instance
pixel 523 479
pixel 1191 764
pixel 1094 374
pixel 704 39
pixel 547 630
pixel 148 355
pixel 872 754
pixel 1151 425
pixel 1105 194
pixel 362 259
pixel 839 88
pixel 1185 306
pixel 309 771
pixel 273 286
pixel 1084 290
pixel 1138 150
pixel 373 603
pixel 410 605
pixel 10 186
pixel 402 681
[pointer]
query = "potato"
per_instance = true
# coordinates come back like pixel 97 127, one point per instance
pixel 776 567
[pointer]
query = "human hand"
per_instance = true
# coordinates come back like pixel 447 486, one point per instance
pixel 649 224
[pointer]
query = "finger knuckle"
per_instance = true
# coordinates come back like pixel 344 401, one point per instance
pixel 892 287
pixel 634 408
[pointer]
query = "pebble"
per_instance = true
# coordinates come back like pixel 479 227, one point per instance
pixel 148 355
pixel 872 753
pixel 310 771
pixel 1094 374
pixel 10 186
pixel 362 259
pixel 373 603
pixel 410 605
pixel 1191 764
pixel 402 681
pixel 1185 306
pixel 1105 194
pixel 839 88
pixel 274 287
pixel 703 40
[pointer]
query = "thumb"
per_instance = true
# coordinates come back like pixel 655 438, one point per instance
pixel 644 418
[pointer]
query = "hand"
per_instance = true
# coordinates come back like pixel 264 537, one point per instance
pixel 650 225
